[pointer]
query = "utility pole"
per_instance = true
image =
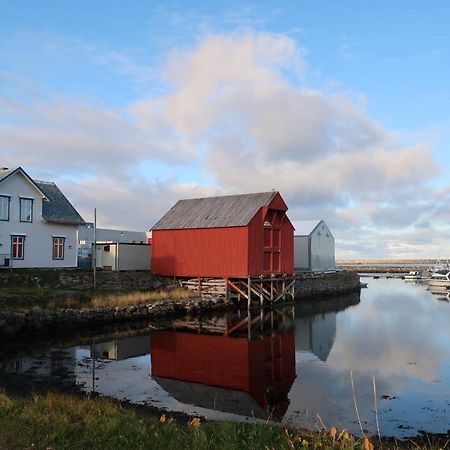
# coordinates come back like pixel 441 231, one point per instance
pixel 94 252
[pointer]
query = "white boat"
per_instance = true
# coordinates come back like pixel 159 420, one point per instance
pixel 413 275
pixel 440 278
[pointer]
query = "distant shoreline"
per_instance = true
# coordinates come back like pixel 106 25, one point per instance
pixel 393 262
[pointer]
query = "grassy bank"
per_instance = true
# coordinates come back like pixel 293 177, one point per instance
pixel 26 298
pixel 61 421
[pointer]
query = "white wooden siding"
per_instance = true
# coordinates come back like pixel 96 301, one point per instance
pixel 38 247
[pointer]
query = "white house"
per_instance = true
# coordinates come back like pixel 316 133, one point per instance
pixel 38 225
pixel 314 249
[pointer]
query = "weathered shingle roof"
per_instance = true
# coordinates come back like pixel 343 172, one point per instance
pixel 57 209
pixel 214 212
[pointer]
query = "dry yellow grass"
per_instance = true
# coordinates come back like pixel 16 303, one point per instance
pixel 134 298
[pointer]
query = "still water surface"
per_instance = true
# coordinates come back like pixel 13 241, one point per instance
pixel 294 367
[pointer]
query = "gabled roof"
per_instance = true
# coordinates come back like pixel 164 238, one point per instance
pixel 6 173
pixel 214 212
pixel 55 206
pixel 57 209
pixel 305 227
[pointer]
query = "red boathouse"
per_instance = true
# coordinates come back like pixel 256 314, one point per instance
pixel 228 237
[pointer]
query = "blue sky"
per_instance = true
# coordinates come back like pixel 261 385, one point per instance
pixel 342 106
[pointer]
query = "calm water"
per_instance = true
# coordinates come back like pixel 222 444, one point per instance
pixel 294 368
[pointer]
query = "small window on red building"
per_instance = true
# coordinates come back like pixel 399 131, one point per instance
pixel 17 247
pixel 58 248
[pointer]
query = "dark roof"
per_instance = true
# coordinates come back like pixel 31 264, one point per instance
pixel 57 209
pixel 214 212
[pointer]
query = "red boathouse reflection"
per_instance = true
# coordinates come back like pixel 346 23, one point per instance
pixel 226 373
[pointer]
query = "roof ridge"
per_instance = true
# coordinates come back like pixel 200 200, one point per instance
pixel 227 195
pixel 44 182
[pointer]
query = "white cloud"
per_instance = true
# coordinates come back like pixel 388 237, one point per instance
pixel 237 105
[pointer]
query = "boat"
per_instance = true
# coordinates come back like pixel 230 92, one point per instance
pixel 440 278
pixel 414 275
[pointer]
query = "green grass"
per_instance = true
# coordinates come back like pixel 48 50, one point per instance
pixel 62 421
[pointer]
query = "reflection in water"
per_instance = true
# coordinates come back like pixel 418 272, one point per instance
pixel 231 374
pixel 120 349
pixel 440 293
pixel 54 362
pixel 291 367
pixel 316 334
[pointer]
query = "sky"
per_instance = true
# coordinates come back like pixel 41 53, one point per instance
pixel 343 107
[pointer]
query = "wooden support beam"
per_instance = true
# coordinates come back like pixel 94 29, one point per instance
pixel 284 292
pixel 236 288
pixel 237 325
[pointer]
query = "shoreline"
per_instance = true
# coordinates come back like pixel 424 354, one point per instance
pixel 36 321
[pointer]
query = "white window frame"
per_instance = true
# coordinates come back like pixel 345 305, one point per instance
pixel 28 218
pixel 8 206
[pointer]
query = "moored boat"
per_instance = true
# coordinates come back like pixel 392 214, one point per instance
pixel 413 276
pixel 440 278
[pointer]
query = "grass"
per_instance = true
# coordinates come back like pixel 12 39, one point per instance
pixel 62 421
pixel 27 298
pixel 136 297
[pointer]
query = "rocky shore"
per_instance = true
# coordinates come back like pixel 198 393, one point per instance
pixel 37 321
pixel 40 321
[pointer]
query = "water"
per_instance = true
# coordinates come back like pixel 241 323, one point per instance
pixel 286 365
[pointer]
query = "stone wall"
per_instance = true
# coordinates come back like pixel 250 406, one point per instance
pixel 326 285
pixel 83 279
pixel 45 321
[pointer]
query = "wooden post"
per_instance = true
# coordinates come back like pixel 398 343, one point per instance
pixel 249 294
pixel 94 253
pixel 261 297
pixel 271 290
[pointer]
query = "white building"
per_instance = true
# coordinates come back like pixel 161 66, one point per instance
pixel 116 249
pixel 314 249
pixel 38 225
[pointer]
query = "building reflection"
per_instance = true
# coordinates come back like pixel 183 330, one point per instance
pixel 248 369
pixel 121 349
pixel 55 362
pixel 316 334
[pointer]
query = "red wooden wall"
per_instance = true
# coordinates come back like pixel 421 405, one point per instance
pixel 206 252
pixel 264 368
pixel 231 252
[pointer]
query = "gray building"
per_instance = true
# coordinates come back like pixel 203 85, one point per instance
pixel 314 249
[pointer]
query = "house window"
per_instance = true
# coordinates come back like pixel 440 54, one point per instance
pixel 4 207
pixel 26 210
pixel 17 247
pixel 58 248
